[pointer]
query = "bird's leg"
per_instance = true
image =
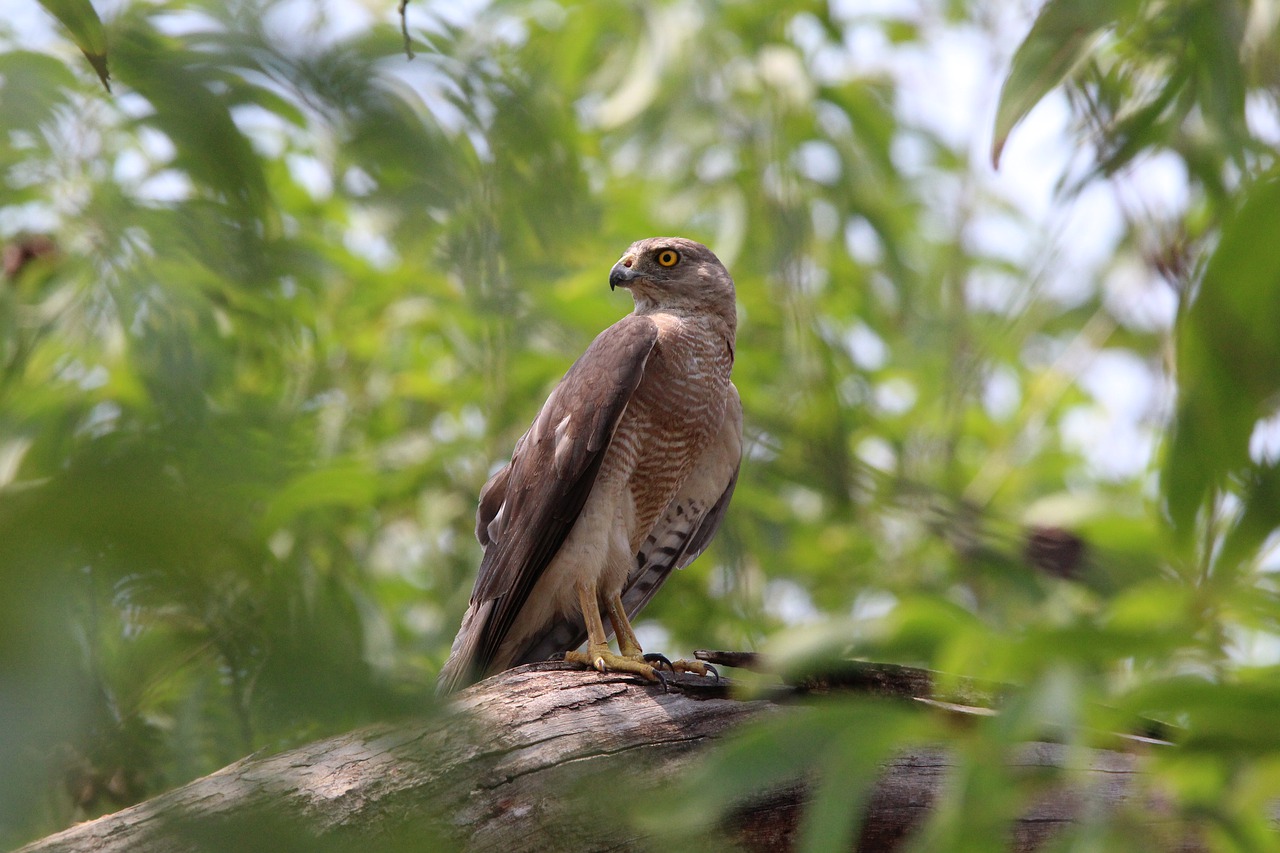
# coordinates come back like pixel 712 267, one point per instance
pixel 630 646
pixel 598 655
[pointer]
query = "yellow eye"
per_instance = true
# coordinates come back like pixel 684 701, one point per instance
pixel 668 257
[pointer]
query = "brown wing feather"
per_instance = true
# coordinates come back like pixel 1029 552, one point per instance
pixel 492 497
pixel 527 509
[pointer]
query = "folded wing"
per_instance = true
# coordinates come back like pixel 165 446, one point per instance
pixel 528 508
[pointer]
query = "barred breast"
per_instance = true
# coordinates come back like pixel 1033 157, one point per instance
pixel 670 417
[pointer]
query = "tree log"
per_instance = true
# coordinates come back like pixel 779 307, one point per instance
pixel 505 769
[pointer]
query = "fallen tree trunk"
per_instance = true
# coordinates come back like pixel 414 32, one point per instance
pixel 506 768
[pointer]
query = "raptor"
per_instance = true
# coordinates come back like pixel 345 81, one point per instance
pixel 624 475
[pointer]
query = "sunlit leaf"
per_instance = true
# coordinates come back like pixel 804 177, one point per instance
pixel 350 484
pixel 1216 32
pixel 1059 40
pixel 1228 356
pixel 1214 715
pixel 1259 518
pixel 836 748
pixel 31 85
pixel 1139 130
pixel 210 146
pixel 82 21
pixel 846 772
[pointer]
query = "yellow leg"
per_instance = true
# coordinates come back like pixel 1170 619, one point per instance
pixel 627 642
pixel 630 646
pixel 598 655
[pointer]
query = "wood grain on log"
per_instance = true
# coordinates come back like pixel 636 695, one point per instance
pixel 486 773
pixel 505 768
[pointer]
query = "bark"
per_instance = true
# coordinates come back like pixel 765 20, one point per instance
pixel 507 768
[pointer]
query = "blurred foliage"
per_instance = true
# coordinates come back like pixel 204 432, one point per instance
pixel 277 304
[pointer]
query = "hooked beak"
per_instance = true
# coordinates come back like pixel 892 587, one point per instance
pixel 621 275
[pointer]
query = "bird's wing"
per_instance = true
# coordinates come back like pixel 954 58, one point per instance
pixel 527 509
pixel 683 532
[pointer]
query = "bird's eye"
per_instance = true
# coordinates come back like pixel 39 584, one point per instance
pixel 668 257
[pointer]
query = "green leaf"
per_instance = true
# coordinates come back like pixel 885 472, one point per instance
pixel 845 742
pixel 82 21
pixel 1143 128
pixel 1225 717
pixel 848 768
pixel 1057 42
pixel 210 146
pixel 349 484
pixel 1215 32
pixel 1260 500
pixel 1228 355
pixel 31 85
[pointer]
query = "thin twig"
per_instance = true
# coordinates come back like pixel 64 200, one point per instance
pixel 402 6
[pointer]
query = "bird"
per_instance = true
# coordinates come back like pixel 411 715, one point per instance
pixel 624 475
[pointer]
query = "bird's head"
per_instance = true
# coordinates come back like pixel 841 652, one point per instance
pixel 674 274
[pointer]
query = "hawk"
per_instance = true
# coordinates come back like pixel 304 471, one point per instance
pixel 624 475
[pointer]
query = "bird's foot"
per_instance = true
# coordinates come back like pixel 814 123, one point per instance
pixel 697 667
pixel 603 659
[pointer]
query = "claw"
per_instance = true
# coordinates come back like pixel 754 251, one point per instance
pixel 658 658
pixel 714 672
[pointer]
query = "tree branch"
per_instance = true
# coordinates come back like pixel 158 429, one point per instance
pixel 504 769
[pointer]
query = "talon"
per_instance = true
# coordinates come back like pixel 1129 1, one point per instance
pixel 714 672
pixel 658 658
pixel 662 679
pixel 602 660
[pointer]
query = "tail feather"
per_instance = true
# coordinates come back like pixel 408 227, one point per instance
pixel 459 670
